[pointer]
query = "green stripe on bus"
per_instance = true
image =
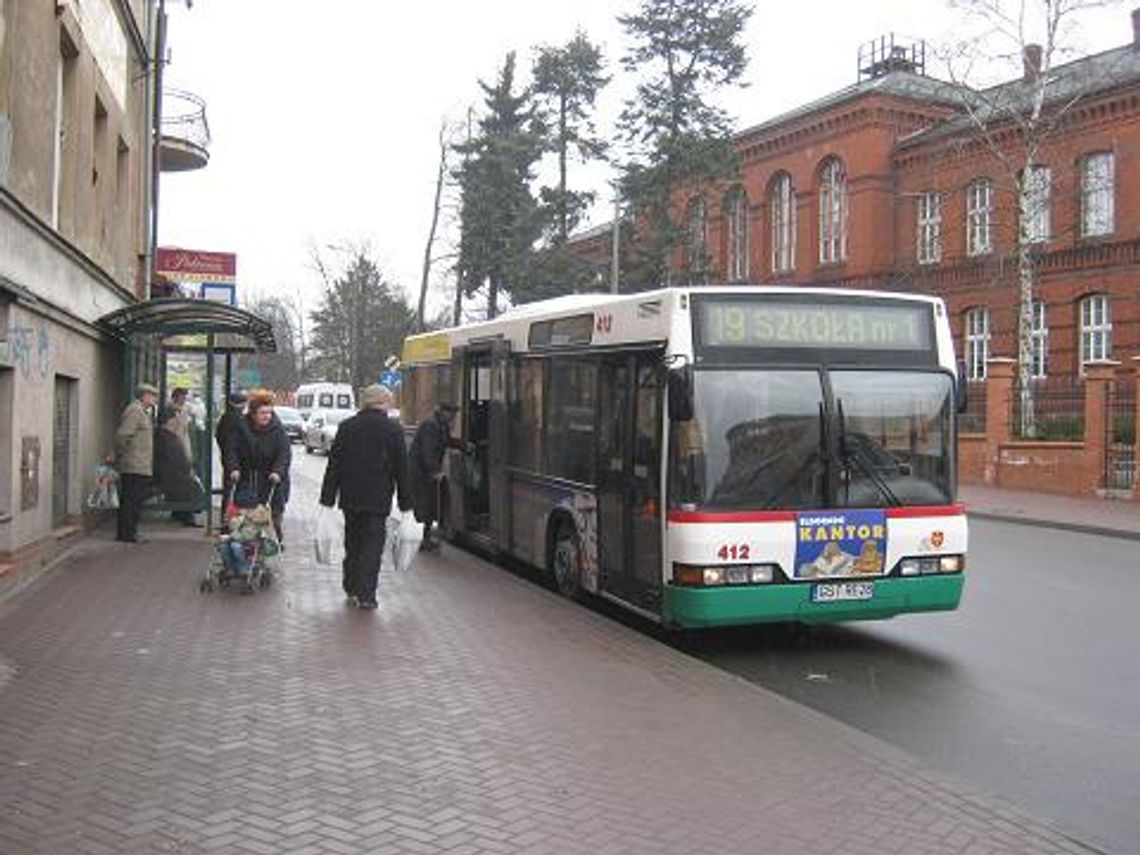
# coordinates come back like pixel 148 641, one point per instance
pixel 729 606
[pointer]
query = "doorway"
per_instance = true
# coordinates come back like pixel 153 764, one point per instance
pixel 63 416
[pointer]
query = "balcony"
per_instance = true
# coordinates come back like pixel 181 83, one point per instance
pixel 185 133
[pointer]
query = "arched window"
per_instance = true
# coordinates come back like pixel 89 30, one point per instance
pixel 736 234
pixel 782 204
pixel 832 212
pixel 696 247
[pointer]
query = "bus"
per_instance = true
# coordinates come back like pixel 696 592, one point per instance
pixel 323 396
pixel 709 456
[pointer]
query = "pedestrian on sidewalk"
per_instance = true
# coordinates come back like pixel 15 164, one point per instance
pixel 229 425
pixel 366 464
pixel 259 455
pixel 178 422
pixel 431 442
pixel 134 458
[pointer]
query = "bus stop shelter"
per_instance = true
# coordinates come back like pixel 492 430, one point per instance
pixel 153 330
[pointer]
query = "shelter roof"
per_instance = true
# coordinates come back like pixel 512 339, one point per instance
pixel 237 329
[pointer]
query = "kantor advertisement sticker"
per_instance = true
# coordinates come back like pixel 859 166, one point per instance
pixel 840 543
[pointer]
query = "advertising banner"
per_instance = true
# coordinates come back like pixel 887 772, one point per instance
pixel 840 543
pixel 193 265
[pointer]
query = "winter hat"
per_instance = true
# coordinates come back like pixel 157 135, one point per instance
pixel 375 396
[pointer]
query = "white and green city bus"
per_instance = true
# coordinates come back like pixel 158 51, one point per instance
pixel 709 456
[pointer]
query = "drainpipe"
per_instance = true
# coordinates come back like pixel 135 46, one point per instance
pixel 157 63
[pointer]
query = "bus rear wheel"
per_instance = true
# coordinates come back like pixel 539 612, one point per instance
pixel 566 562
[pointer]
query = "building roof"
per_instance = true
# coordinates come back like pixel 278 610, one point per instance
pixel 1071 81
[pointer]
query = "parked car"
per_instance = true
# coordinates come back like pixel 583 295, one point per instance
pixel 292 422
pixel 320 430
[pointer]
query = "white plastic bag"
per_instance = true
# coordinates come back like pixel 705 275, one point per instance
pixel 408 541
pixel 391 540
pixel 105 496
pixel 328 537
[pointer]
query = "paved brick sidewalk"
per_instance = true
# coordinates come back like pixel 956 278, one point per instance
pixel 473 713
pixel 1112 517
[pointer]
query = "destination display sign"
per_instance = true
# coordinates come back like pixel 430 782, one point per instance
pixel 826 324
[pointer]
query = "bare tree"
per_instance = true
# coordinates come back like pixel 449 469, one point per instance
pixel 1016 121
pixel 445 145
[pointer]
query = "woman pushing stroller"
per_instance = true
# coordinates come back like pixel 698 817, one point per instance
pixel 257 457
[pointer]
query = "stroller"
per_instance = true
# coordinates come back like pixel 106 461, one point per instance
pixel 246 555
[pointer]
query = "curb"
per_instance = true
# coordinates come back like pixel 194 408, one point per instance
pixel 1079 528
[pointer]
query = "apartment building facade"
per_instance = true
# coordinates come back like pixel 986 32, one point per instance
pixel 76 114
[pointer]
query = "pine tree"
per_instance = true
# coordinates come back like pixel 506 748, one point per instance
pixel 679 139
pixel 499 217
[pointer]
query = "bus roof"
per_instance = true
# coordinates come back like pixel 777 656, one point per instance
pixel 646 315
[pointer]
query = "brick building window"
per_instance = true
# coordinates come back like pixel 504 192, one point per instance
pixel 979 216
pixel 736 255
pixel 1097 191
pixel 696 245
pixel 1039 341
pixel 929 227
pixel 977 343
pixel 782 204
pixel 832 212
pixel 1096 329
pixel 1038 187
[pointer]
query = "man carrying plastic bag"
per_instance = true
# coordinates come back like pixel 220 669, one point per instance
pixel 402 541
pixel 367 463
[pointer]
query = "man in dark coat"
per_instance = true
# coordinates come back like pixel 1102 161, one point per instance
pixel 430 444
pixel 229 425
pixel 258 457
pixel 367 463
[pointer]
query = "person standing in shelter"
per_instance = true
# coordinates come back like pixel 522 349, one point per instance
pixel 173 471
pixel 431 442
pixel 178 423
pixel 258 455
pixel 367 463
pixel 134 458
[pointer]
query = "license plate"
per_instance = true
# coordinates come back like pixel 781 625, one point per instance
pixel 833 592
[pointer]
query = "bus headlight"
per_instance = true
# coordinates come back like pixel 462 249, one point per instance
pixel 695 576
pixel 932 565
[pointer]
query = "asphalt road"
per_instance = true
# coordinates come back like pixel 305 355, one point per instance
pixel 1031 690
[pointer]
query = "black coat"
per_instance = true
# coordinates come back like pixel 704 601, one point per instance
pixel 228 430
pixel 428 447
pixel 256 454
pixel 367 462
pixel 173 473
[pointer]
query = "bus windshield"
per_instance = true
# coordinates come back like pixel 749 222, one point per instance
pixel 771 439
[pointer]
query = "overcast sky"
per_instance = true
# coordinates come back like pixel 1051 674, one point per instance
pixel 325 123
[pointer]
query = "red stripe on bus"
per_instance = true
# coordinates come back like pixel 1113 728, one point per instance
pixel 731 516
pixel 955 510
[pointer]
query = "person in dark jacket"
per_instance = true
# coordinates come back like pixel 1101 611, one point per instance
pixel 229 425
pixel 367 463
pixel 430 444
pixel 173 471
pixel 258 457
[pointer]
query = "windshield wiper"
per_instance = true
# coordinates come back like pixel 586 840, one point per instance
pixel 855 452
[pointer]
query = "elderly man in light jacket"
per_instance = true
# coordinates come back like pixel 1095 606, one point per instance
pixel 134 458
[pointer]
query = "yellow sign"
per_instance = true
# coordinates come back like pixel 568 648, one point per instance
pixel 430 347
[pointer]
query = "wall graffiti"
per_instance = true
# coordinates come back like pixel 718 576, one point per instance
pixel 30 349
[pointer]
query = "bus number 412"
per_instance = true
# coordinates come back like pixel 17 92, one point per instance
pixel 734 552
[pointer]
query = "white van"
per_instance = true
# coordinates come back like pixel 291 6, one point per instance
pixel 324 396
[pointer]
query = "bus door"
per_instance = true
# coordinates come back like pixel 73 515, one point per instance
pixel 476 433
pixel 629 477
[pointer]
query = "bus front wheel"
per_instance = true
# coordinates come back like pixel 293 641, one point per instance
pixel 566 562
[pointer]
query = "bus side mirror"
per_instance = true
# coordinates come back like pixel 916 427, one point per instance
pixel 681 393
pixel 961 389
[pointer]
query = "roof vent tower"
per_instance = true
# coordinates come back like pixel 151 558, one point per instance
pixel 891 53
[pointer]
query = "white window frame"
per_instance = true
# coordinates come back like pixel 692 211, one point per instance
pixel 1039 341
pixel 1098 190
pixel 783 206
pixel 979 217
pixel 832 212
pixel 737 236
pixel 977 325
pixel 1096 328
pixel 1038 192
pixel 929 229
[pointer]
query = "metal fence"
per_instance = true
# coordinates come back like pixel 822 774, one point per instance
pixel 1048 410
pixel 973 418
pixel 1120 441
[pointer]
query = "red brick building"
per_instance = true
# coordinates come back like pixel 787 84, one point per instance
pixel 890 184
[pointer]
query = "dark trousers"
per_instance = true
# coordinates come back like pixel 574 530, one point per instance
pixel 363 548
pixel 132 492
